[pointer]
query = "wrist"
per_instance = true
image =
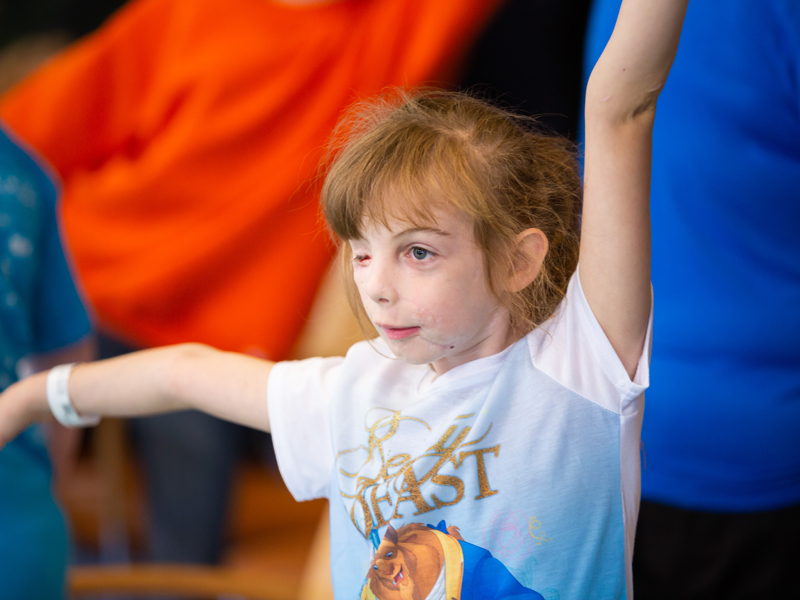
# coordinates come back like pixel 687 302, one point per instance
pixel 59 400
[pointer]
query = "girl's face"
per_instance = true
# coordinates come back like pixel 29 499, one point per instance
pixel 426 291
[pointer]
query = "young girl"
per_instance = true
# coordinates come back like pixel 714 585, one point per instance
pixel 498 457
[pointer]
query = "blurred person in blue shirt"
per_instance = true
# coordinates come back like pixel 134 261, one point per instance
pixel 720 515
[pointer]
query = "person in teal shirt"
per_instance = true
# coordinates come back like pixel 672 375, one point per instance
pixel 42 319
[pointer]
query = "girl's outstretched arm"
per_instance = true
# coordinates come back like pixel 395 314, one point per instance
pixel 224 384
pixel 620 109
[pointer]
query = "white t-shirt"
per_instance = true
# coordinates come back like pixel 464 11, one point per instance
pixel 533 454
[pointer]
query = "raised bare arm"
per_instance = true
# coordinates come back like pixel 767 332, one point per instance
pixel 228 385
pixel 620 109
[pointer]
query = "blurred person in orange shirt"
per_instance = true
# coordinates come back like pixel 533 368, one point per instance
pixel 188 136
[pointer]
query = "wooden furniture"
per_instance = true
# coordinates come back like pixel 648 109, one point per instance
pixel 176 581
pixel 276 548
pixel 207 583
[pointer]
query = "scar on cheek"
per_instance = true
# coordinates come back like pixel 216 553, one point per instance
pixel 451 347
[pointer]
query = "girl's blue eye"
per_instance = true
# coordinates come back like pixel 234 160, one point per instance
pixel 420 253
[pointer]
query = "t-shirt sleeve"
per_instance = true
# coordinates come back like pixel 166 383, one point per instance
pixel 572 348
pixel 299 394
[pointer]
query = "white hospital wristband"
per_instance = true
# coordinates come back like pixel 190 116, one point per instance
pixel 58 399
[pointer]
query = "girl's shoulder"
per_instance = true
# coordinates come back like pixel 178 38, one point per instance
pixel 572 349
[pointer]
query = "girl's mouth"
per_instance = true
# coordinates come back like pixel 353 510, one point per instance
pixel 399 333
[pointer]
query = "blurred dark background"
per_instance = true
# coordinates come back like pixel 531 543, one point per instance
pixel 530 57
pixel 19 18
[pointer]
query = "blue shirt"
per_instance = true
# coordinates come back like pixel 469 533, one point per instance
pixel 40 311
pixel 723 413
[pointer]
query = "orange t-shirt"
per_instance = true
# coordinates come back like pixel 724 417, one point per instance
pixel 188 135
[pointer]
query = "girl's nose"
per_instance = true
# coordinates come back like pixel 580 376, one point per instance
pixel 380 285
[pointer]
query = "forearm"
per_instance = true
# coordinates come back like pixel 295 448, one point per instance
pixel 628 77
pixel 620 111
pixel 140 383
pixel 230 386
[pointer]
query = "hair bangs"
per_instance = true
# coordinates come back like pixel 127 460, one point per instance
pixel 393 165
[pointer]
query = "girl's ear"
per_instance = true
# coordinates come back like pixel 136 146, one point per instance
pixel 531 248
